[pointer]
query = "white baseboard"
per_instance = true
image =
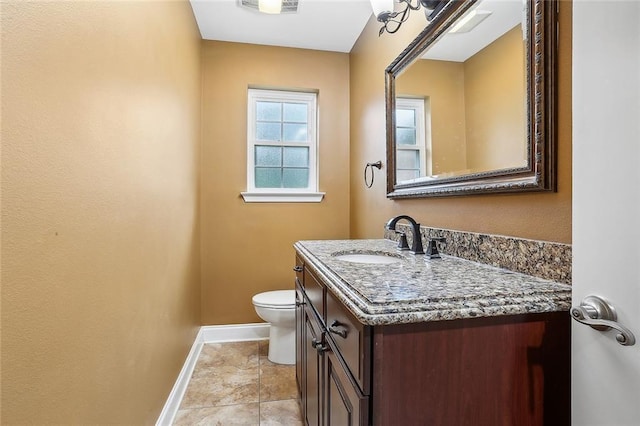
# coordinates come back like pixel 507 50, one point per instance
pixel 207 334
pixel 234 333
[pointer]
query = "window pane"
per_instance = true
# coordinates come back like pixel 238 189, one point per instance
pixel 268 156
pixel 268 111
pixel 405 136
pixel 295 178
pixel 268 178
pixel 405 117
pixel 295 112
pixel 403 175
pixel 268 131
pixel 296 157
pixel 408 159
pixel 295 132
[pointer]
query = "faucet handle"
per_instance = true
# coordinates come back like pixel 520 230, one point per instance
pixel 432 247
pixel 402 243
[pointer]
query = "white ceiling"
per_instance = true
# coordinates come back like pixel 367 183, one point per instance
pixel 332 25
pixel 459 47
pixel 335 25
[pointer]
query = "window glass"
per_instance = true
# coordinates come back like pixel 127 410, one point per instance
pixel 295 178
pixel 405 136
pixel 268 111
pixel 405 117
pixel 295 112
pixel 295 132
pixel 268 156
pixel 408 159
pixel 268 177
pixel 402 175
pixel 268 131
pixel 296 157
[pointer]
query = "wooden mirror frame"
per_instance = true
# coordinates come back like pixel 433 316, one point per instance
pixel 540 172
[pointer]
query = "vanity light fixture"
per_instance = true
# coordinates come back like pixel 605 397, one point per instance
pixel 271 6
pixel 392 20
pixel 470 21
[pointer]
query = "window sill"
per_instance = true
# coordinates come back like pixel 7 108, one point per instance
pixel 282 197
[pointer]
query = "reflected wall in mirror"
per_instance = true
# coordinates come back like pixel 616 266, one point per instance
pixel 470 102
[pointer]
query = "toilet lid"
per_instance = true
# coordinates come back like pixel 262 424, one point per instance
pixel 281 299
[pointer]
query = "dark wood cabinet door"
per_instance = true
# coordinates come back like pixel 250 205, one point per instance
pixel 300 340
pixel 492 371
pixel 344 403
pixel 312 369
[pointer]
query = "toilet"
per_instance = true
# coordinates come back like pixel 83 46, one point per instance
pixel 278 308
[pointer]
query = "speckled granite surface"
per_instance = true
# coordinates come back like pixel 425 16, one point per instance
pixel 541 259
pixel 416 289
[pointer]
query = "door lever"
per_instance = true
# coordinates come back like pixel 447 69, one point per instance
pixel 600 315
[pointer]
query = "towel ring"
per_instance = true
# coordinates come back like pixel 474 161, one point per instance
pixel 377 165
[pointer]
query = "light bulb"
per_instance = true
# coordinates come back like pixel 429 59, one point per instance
pixel 380 6
pixel 270 6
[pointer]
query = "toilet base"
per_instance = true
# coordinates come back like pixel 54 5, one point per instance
pixel 282 345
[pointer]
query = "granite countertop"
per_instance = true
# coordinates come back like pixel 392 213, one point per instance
pixel 417 289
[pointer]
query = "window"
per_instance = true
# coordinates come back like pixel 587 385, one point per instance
pixel 412 156
pixel 282 147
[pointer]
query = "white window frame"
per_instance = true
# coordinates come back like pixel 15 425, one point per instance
pixel 423 139
pixel 283 195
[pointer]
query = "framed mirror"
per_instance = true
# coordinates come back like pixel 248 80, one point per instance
pixel 470 103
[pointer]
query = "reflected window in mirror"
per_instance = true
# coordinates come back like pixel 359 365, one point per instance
pixel 413 149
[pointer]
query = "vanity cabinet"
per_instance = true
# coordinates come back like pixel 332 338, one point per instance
pixel 500 370
pixel 329 393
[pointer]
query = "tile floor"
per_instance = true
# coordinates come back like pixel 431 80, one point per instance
pixel 235 384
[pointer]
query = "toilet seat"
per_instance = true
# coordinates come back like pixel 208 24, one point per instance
pixel 277 299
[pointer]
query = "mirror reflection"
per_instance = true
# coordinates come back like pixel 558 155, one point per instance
pixel 463 100
pixel 460 108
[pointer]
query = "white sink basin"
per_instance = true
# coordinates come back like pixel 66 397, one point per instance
pixel 368 258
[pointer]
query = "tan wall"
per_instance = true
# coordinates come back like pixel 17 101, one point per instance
pixel 247 247
pixel 495 109
pixel 100 157
pixel 545 216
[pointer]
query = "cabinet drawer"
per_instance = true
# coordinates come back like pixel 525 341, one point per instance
pixel 352 339
pixel 315 293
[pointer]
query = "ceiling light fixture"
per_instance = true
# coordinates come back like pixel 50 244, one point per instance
pixel 469 21
pixel 392 20
pixel 271 6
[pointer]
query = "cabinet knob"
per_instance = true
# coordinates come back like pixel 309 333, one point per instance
pixel 318 346
pixel 297 268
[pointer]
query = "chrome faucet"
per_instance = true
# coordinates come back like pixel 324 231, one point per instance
pixel 416 246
